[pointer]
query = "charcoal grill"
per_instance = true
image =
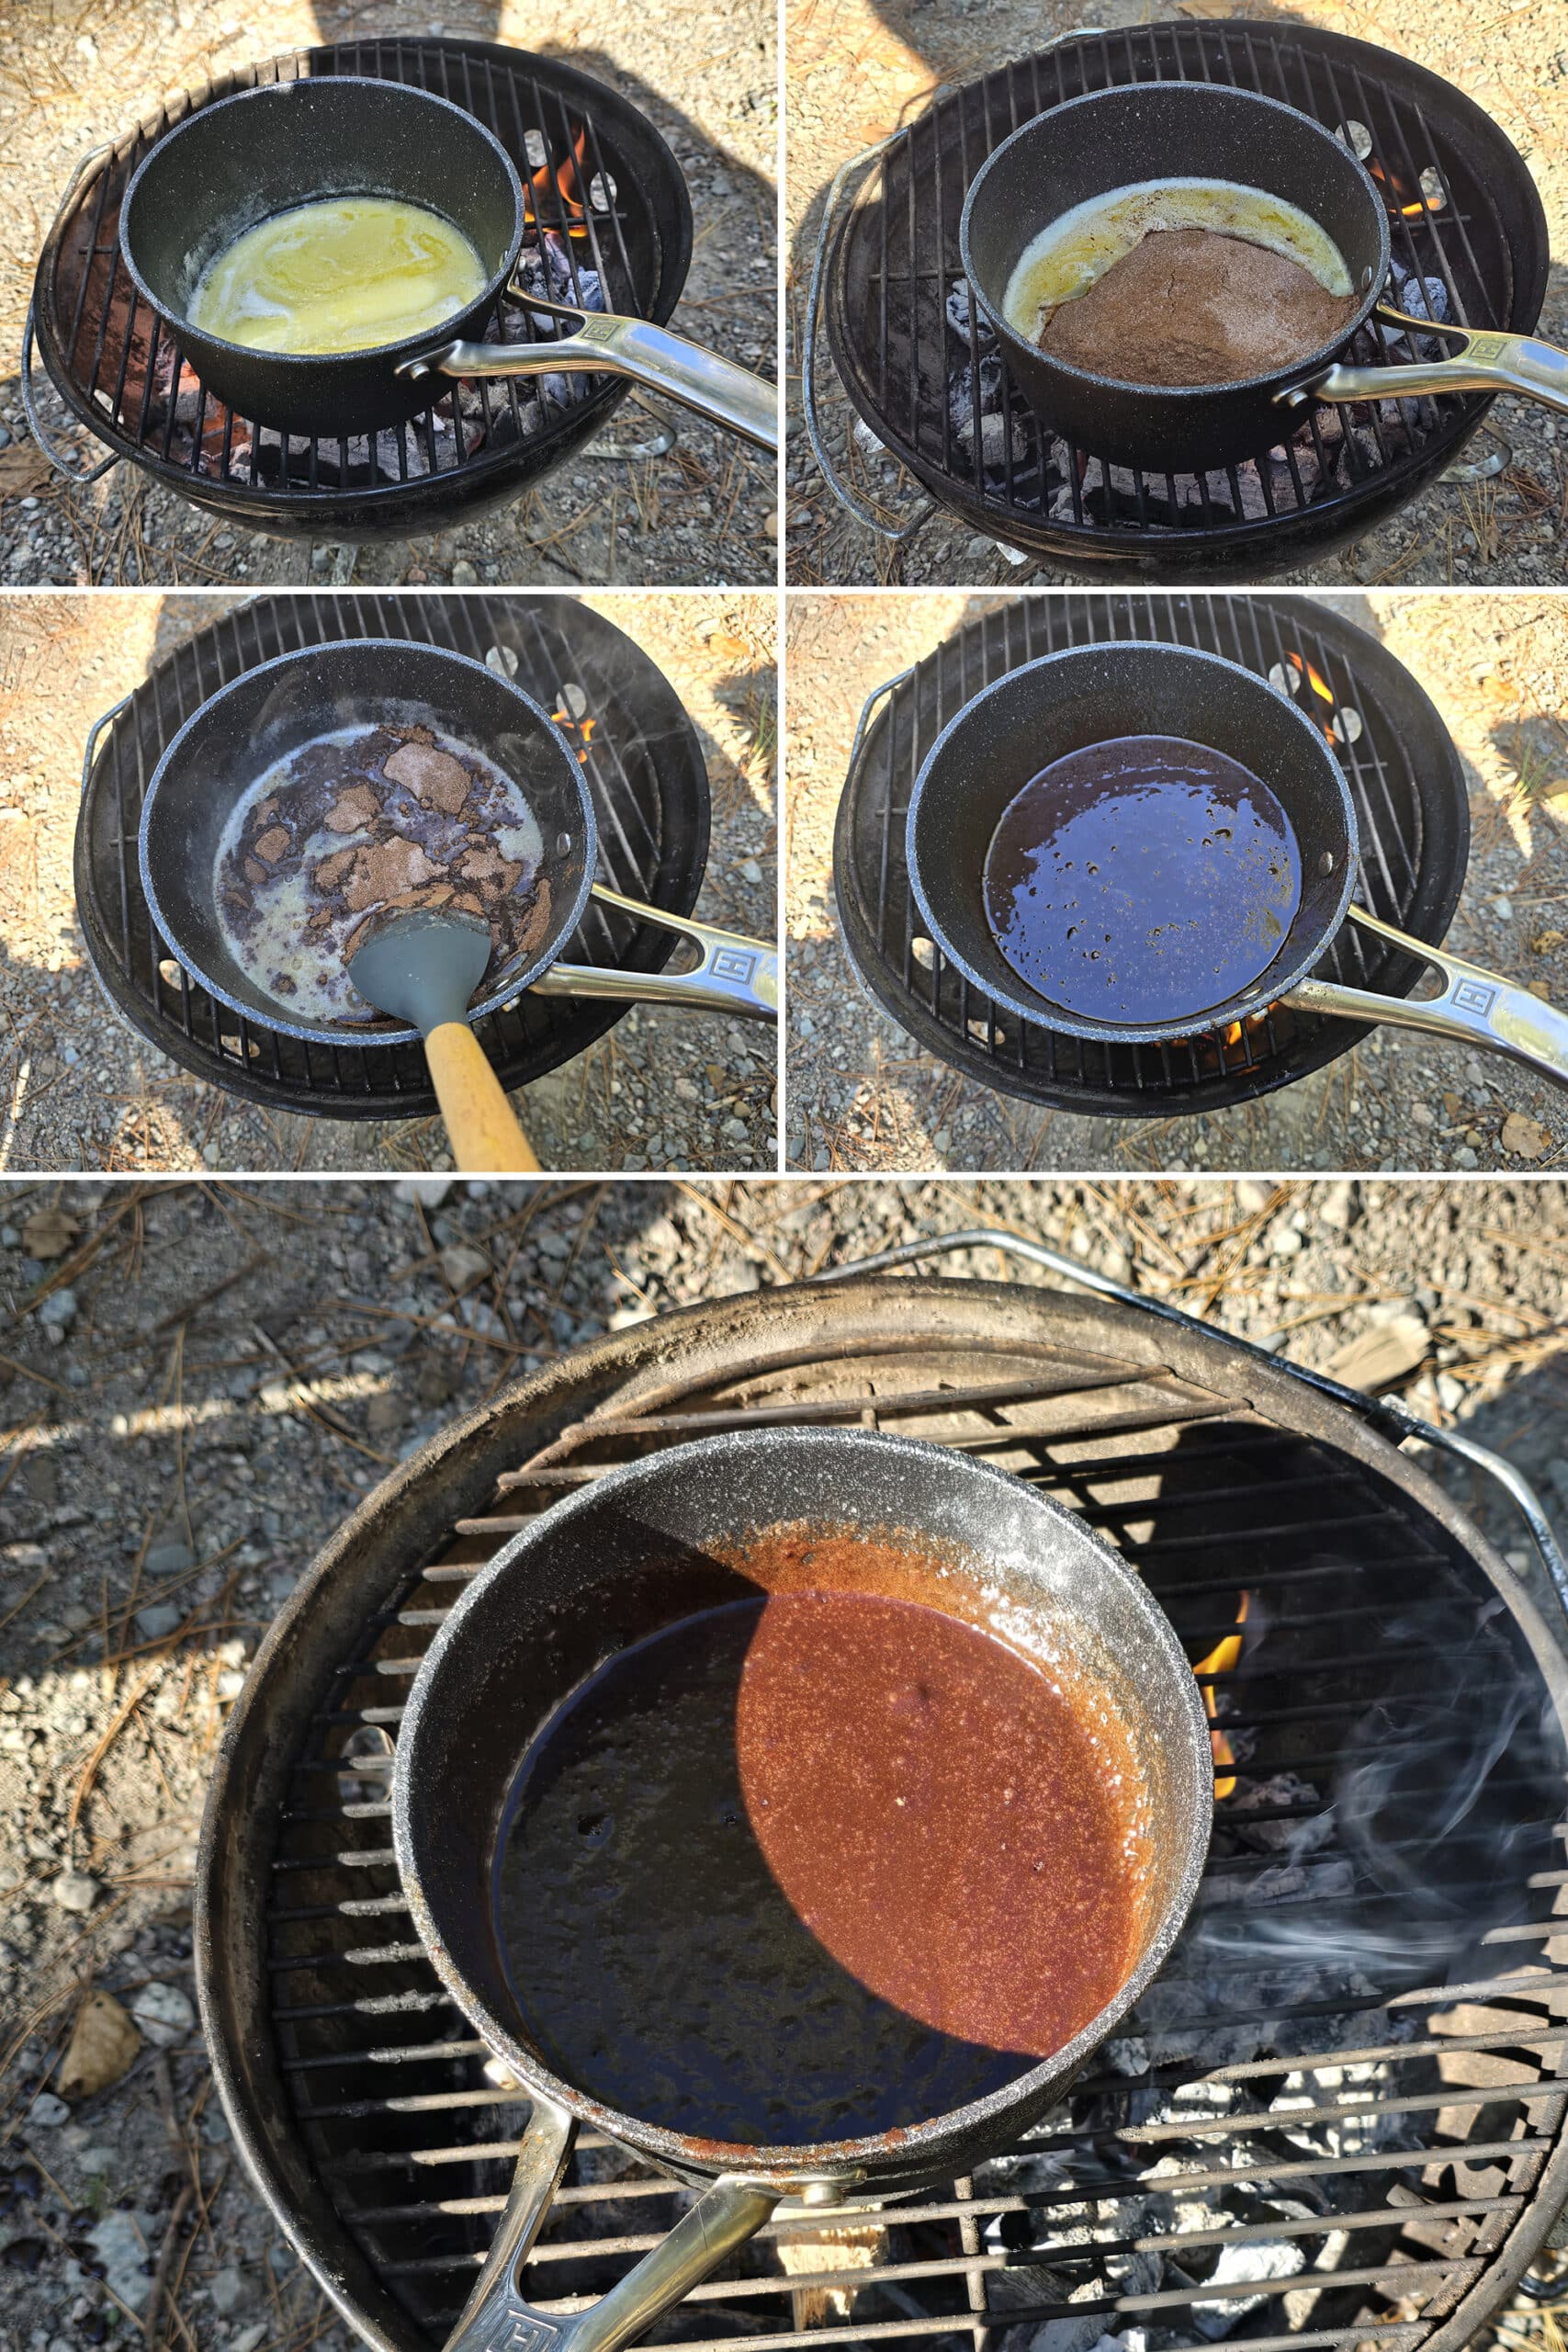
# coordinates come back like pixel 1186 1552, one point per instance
pixel 1398 758
pixel 641 759
pixel 1391 2116
pixel 911 354
pixel 108 359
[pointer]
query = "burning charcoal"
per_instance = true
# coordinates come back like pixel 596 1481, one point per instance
pixel 961 314
pixel 353 810
pixel 272 844
pixel 1296 1838
pixel 433 777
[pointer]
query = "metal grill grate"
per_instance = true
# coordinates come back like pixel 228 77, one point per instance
pixel 1402 767
pixel 1379 2115
pixel 113 364
pixel 1463 214
pixel 641 759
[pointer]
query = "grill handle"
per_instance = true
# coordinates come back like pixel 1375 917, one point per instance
pixel 848 499
pixel 97 728
pixel 1389 1415
pixel 57 457
pixel 496 2318
pixel 1484 362
pixel 650 355
pixel 735 975
pixel 1474 1006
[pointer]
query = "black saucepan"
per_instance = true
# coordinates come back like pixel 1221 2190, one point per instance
pixel 645 1548
pixel 236 736
pixel 1095 694
pixel 1112 139
pixel 233 164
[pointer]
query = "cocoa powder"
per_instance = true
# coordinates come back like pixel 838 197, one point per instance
pixel 1193 306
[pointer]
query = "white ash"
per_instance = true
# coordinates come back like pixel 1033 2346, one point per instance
pixel 1257 2259
pixel 965 319
pixel 1298 1836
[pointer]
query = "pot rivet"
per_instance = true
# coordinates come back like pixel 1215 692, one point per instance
pixel 1325 862
pixel 563 843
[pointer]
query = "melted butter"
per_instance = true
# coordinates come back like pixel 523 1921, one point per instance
pixel 341 275
pixel 1071 252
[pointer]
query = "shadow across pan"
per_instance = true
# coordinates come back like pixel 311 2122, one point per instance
pixel 651 1546
pixel 240 732
pixel 1094 694
pixel 1112 139
pixel 231 165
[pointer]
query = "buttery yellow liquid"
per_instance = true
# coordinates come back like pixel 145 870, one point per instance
pixel 339 275
pixel 1070 253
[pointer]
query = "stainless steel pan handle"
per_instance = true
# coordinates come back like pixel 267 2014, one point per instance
pixel 1475 1006
pixel 1485 362
pixel 496 2318
pixel 736 974
pixel 604 344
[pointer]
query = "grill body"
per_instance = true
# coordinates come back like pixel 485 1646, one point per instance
pixel 1416 2182
pixel 915 361
pixel 108 356
pixel 641 763
pixel 1407 788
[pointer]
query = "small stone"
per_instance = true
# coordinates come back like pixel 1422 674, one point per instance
pixel 47 2113
pixel 463 574
pixel 59 1310
pixel 249 2338
pixel 164 2013
pixel 169 1560
pixel 226 2289
pixel 428 1190
pixel 157 1622
pixel 73 1891
pixel 771 524
pixel 462 1264
pixel 751 871
pixel 1466 1157
pixel 121 2247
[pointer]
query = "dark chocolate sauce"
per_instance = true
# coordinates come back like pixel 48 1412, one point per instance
pixel 1146 880
pixel 812 1867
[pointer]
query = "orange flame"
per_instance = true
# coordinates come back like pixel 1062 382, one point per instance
pixel 1222 1658
pixel 556 187
pixel 1417 211
pixel 1319 685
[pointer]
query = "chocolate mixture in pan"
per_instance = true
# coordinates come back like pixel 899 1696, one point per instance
pixel 364 819
pixel 1193 306
pixel 815 1865
pixel 1146 879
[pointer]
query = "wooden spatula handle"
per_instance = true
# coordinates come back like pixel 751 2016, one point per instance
pixel 480 1124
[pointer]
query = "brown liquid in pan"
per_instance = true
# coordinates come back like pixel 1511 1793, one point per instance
pixel 814 1866
pixel 1143 880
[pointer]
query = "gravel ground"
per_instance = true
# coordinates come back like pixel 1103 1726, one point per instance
pixel 83 1090
pixel 216 1376
pixel 862 1094
pixel 857 70
pixel 703 513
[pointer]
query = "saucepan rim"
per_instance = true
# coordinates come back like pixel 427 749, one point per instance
pixel 904 2148
pixel 348 1035
pixel 1307 363
pixel 1026 1002
pixel 409 347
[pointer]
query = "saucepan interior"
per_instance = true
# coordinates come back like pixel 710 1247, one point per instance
pixel 235 737
pixel 1112 139
pixel 1094 694
pixel 231 165
pixel 651 1545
